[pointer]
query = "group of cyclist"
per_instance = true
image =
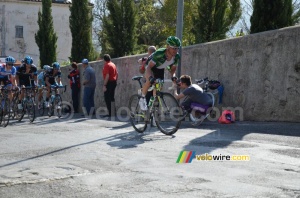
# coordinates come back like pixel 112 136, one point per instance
pixel 155 65
pixel 26 75
pixel 168 58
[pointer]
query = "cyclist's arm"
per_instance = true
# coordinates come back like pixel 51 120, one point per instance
pixel 58 80
pixel 13 80
pixel 148 70
pixel 173 70
pixel 47 82
pixel 178 96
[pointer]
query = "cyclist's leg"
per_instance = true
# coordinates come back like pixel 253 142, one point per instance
pixel 48 95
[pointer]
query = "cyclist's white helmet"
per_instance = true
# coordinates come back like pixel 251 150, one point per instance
pixel 46 67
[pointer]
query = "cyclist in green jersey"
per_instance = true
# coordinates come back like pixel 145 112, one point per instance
pixel 162 58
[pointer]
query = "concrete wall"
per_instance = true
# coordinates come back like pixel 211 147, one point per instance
pixel 25 13
pixel 260 73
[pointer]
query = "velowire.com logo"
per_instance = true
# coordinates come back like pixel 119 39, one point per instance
pixel 188 156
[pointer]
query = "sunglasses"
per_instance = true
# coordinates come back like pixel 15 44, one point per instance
pixel 174 48
pixel 10 64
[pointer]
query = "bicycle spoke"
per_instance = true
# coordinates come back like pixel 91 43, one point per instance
pixel 5 112
pixel 136 115
pixel 58 105
pixel 168 114
pixel 41 108
pixel 30 109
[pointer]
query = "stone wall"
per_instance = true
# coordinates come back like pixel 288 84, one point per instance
pixel 260 73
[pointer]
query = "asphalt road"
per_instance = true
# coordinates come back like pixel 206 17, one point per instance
pixel 82 157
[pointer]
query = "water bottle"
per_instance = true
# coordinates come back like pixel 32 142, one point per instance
pixel 52 98
pixel 151 101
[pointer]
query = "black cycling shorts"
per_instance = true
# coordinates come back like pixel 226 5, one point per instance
pixel 158 73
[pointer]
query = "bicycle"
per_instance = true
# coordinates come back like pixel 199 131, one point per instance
pixel 5 110
pixel 200 112
pixel 42 107
pixel 55 101
pixel 163 108
pixel 28 105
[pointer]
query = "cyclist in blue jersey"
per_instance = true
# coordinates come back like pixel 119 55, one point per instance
pixel 157 62
pixel 8 74
pixel 52 77
pixel 26 76
pixel 41 82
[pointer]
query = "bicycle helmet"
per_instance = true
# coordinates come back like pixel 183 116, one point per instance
pixel 46 67
pixel 28 60
pixel 173 41
pixel 10 59
pixel 55 65
pixel 85 61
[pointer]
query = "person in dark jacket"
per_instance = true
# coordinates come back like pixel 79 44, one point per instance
pixel 74 77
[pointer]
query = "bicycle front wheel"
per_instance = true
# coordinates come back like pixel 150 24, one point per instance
pixel 136 115
pixel 167 114
pixel 58 105
pixel 41 108
pixel 30 108
pixel 5 112
pixel 51 108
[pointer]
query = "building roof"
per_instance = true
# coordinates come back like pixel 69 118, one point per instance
pixel 57 1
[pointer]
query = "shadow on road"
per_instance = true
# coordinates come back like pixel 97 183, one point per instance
pixel 223 136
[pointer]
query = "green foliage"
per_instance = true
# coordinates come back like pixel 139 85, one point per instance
pixel 271 14
pixel 150 27
pixel 45 37
pixel 81 29
pixel 214 18
pixel 168 15
pixel 118 36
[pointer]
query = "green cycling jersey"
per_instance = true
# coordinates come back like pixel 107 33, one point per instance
pixel 160 60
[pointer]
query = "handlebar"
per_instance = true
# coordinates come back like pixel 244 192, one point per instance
pixel 59 87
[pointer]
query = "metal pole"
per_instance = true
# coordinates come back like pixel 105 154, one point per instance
pixel 179 29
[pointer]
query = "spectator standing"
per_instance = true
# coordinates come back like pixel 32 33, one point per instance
pixel 110 76
pixel 74 77
pixel 142 61
pixel 89 83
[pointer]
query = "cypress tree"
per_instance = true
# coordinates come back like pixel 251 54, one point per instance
pixel 45 37
pixel 81 29
pixel 119 28
pixel 214 19
pixel 270 15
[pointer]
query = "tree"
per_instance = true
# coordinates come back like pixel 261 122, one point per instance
pixel 81 29
pixel 150 27
pixel 99 12
pixel 45 37
pixel 248 11
pixel 270 15
pixel 214 18
pixel 119 33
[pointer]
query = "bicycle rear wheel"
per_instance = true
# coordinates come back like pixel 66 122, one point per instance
pixel 5 112
pixel 167 114
pixel 30 109
pixel 136 115
pixel 41 108
pixel 58 105
pixel 18 113
pixel 51 108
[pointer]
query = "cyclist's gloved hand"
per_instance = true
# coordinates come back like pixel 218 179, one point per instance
pixel 54 85
pixel 152 80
